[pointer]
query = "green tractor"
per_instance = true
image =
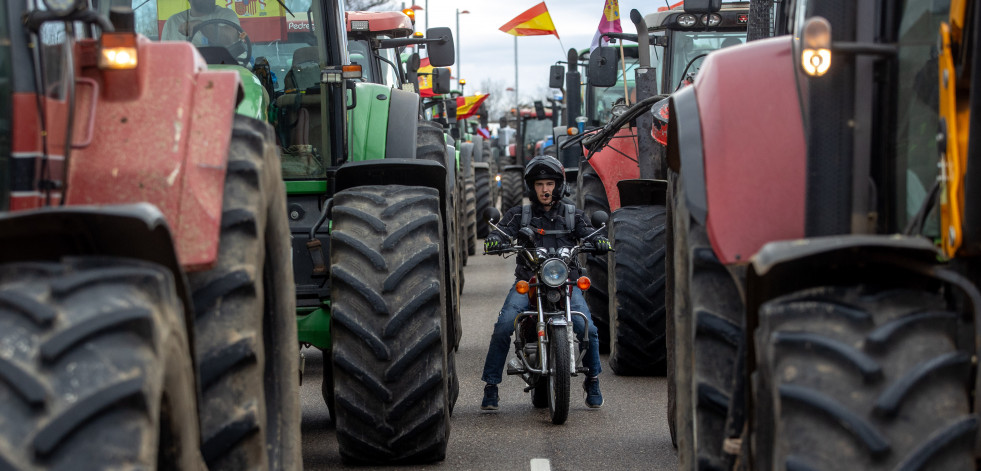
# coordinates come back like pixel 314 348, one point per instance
pixel 371 240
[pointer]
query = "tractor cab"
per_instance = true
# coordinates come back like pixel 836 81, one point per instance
pixel 680 41
pixel 365 32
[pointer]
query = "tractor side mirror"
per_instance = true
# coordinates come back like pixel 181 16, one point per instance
pixel 441 52
pixel 441 80
pixel 450 105
pixel 599 218
pixel 540 110
pixel 702 6
pixel 556 76
pixel 602 71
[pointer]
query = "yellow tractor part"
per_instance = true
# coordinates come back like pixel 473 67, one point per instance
pixel 954 120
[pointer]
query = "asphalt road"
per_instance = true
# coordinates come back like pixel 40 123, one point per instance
pixel 629 432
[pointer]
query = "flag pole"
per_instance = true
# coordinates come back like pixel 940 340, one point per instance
pixel 623 67
pixel 516 101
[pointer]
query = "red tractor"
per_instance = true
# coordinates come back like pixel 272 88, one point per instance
pixel 824 237
pixel 679 43
pixel 146 290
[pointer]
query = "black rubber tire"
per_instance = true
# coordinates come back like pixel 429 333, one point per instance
pixel 708 319
pixel 431 145
pixel 471 211
pixel 245 325
pixel 592 197
pixel 560 364
pixel 482 194
pixel 512 188
pixel 390 351
pixel 670 286
pixel 865 375
pixel 637 340
pixel 96 368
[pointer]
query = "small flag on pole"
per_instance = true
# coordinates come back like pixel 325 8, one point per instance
pixel 609 23
pixel 534 22
pixel 467 106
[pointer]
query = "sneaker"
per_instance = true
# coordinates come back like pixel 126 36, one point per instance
pixel 490 398
pixel 594 398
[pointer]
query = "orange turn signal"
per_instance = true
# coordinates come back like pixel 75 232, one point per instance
pixel 572 131
pixel 522 287
pixel 583 283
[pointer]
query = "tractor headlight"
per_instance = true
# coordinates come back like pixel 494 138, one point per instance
pixel 687 20
pixel 555 273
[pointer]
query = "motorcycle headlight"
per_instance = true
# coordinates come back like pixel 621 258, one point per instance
pixel 554 273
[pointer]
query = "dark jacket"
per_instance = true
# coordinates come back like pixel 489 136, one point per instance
pixel 553 219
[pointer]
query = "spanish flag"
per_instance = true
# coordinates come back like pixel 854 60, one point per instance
pixel 467 106
pixel 534 22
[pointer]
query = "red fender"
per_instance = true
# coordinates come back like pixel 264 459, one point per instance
pixel 165 144
pixel 753 146
pixel 612 166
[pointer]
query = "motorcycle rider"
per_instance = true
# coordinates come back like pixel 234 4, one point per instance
pixel 545 179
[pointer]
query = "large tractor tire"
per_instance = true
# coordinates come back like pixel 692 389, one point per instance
pixel 512 187
pixel 471 212
pixel 708 320
pixel 469 196
pixel 95 371
pixel 390 350
pixel 431 145
pixel 637 342
pixel 863 377
pixel 495 194
pixel 482 194
pixel 591 196
pixel 245 326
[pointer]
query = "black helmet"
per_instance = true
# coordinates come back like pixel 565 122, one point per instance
pixel 545 167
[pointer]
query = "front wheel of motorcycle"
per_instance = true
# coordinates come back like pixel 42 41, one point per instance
pixel 559 372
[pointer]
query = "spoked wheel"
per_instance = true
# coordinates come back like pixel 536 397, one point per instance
pixel 558 376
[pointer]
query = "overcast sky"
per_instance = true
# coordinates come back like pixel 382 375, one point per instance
pixel 487 53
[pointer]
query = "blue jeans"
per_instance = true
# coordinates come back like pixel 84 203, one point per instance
pixel 500 342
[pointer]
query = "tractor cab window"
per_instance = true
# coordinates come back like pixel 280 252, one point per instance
pixel 689 49
pixel 273 47
pixel 375 70
pixel 917 108
pixel 535 130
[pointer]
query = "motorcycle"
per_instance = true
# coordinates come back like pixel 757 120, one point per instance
pixel 545 345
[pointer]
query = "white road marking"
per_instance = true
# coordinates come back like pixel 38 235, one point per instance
pixel 541 464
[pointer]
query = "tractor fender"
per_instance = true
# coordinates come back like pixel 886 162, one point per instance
pixel 737 135
pixel 137 231
pixel 403 121
pixel 167 145
pixel 611 165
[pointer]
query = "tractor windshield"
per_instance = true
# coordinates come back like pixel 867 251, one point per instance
pixel 916 118
pixel 382 70
pixel 689 49
pixel 535 130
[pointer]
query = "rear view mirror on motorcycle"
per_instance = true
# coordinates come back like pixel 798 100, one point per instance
pixel 599 218
pixel 492 214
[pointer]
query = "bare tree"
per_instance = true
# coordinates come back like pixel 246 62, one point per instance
pixel 365 5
